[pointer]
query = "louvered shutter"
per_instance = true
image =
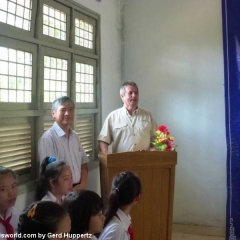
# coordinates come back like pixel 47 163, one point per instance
pixel 84 128
pixel 15 145
pixel 48 124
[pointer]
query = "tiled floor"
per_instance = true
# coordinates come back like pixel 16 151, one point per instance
pixel 184 236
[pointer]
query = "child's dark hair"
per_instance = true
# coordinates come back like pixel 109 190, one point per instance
pixel 41 217
pixel 81 206
pixel 126 186
pixel 50 169
pixel 4 170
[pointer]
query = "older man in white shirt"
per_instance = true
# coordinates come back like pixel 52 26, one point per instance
pixel 63 143
pixel 129 128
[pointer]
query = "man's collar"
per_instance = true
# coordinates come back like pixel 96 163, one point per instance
pixel 60 131
pixel 125 109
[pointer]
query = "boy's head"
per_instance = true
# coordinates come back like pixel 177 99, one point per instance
pixel 8 188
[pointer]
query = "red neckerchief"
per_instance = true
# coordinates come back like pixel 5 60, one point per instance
pixel 8 226
pixel 130 229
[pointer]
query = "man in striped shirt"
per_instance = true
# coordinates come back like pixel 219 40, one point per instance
pixel 63 143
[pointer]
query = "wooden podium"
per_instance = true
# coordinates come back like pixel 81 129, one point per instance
pixel 152 216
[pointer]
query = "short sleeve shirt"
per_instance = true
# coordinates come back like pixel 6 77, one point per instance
pixel 128 133
pixel 54 142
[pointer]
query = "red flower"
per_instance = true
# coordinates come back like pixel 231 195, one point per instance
pixel 169 146
pixel 163 128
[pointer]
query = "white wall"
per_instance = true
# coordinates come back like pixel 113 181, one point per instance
pixel 173 49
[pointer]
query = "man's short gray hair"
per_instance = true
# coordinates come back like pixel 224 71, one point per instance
pixel 61 101
pixel 122 89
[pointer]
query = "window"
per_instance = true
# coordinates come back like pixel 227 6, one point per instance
pixel 55 75
pixel 48 48
pixel 15 75
pixel 85 32
pixel 54 22
pixel 16 13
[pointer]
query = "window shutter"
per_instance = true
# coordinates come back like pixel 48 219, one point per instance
pixel 15 146
pixel 48 124
pixel 84 128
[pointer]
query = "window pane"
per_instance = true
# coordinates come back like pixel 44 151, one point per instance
pixel 56 20
pixel 11 7
pixel 10 19
pixel 4 53
pixel 13 71
pixel 3 16
pixel 55 78
pixel 26 24
pixel 3 5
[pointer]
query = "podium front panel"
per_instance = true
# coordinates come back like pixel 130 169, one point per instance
pixel 152 216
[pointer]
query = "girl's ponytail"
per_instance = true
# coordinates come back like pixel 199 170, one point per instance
pixel 112 207
pixel 126 186
pixel 50 169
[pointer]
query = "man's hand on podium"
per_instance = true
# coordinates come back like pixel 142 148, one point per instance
pixel 153 148
pixel 103 146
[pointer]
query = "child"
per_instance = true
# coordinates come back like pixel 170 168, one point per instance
pixel 126 189
pixel 44 220
pixel 85 210
pixel 8 194
pixel 55 180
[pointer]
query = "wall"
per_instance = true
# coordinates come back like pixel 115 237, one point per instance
pixel 110 74
pixel 110 51
pixel 173 49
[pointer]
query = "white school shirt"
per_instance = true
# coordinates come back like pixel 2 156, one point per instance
pixel 117 229
pixel 128 133
pixel 50 197
pixel 54 142
pixel 14 220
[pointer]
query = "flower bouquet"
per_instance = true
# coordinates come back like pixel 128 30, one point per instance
pixel 163 141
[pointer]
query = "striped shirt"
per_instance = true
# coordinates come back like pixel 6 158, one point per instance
pixel 54 142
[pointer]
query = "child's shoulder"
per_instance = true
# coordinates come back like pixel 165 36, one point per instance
pixel 113 230
pixel 14 211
